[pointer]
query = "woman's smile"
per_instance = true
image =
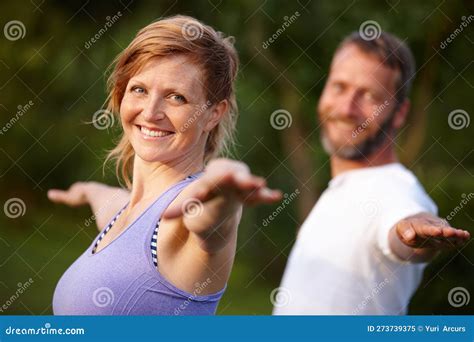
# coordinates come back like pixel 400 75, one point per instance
pixel 149 133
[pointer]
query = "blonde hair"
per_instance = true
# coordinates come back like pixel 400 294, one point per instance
pixel 206 47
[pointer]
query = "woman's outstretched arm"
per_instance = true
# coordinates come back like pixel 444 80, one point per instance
pixel 105 201
pixel 213 205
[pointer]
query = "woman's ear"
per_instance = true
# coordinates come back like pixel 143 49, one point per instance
pixel 217 111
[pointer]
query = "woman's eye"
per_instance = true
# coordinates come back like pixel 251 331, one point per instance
pixel 178 98
pixel 138 90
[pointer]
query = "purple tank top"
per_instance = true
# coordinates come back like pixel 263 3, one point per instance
pixel 121 278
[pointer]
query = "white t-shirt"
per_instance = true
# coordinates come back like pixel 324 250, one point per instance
pixel 341 263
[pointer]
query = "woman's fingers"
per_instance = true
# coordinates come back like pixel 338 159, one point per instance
pixel 245 181
pixel 74 196
pixel 250 189
pixel 230 179
pixel 65 197
pixel 56 195
pixel 263 196
pixel 234 182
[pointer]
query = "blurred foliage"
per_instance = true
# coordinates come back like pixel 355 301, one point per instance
pixel 51 145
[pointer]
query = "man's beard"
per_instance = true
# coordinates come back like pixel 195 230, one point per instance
pixel 364 148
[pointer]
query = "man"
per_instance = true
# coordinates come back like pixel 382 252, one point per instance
pixel 364 246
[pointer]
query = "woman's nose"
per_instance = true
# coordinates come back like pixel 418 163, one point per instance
pixel 154 110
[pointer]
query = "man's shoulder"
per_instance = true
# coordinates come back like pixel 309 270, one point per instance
pixel 400 186
pixel 391 185
pixel 394 178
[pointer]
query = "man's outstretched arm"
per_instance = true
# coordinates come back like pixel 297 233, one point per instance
pixel 419 238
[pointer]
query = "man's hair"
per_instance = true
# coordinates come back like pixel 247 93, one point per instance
pixel 392 52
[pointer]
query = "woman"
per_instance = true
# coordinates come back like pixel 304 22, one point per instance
pixel 169 244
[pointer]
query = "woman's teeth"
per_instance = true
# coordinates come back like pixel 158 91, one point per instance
pixel 151 133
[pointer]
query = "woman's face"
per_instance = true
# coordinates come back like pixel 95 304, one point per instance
pixel 164 111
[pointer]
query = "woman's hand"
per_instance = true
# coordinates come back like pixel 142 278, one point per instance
pixel 105 201
pixel 75 196
pixel 213 203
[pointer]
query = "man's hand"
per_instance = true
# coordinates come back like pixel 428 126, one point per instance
pixel 428 231
pixel 420 237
